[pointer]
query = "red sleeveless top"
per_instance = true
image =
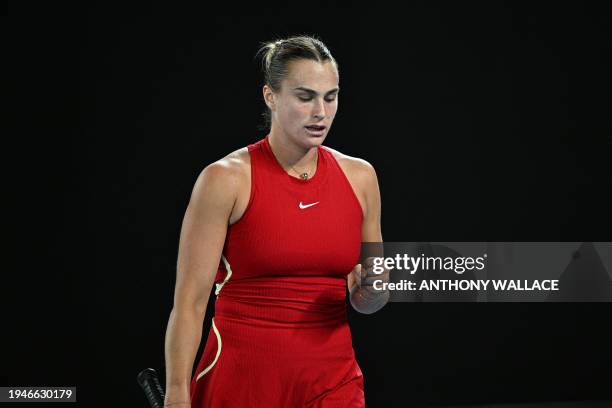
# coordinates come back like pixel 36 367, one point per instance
pixel 286 261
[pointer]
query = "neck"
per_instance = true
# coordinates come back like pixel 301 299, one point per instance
pixel 290 154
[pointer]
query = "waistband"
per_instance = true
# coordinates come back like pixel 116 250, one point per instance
pixel 292 302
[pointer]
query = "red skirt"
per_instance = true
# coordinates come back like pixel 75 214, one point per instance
pixel 268 363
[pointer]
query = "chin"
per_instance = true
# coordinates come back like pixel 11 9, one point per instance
pixel 310 139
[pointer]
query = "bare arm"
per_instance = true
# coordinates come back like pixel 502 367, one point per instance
pixel 366 300
pixel 201 243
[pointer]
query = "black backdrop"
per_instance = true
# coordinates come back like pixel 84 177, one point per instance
pixel 485 122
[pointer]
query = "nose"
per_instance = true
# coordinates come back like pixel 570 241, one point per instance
pixel 319 109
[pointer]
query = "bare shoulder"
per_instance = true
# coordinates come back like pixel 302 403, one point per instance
pixel 238 162
pixel 354 167
pixel 225 177
pixel 232 167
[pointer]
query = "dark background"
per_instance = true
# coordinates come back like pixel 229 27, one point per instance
pixel 485 122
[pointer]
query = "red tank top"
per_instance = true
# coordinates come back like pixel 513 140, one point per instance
pixel 285 262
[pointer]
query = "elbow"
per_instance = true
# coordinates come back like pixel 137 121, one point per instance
pixel 192 301
pixel 194 309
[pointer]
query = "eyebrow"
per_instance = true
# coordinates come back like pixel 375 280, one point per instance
pixel 313 92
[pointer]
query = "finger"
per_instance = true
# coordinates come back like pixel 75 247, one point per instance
pixel 369 281
pixel 383 275
pixel 357 274
pixel 369 262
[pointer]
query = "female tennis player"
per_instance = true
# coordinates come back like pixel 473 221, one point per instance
pixel 275 227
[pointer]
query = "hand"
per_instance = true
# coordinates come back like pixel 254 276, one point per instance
pixel 365 276
pixel 364 297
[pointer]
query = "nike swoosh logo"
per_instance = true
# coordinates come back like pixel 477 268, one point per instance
pixel 302 206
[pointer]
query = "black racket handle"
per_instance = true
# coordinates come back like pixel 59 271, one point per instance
pixel 149 382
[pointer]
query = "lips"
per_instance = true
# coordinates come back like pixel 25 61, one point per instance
pixel 315 127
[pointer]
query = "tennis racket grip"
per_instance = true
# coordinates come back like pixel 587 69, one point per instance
pixel 149 382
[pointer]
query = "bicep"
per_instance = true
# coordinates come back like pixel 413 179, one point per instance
pixel 202 236
pixel 371 229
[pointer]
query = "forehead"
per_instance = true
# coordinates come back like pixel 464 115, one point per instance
pixel 311 74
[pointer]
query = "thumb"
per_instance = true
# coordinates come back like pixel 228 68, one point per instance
pixel 358 274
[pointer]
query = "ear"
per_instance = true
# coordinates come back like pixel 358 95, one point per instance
pixel 269 97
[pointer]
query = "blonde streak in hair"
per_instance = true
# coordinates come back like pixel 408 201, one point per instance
pixel 268 56
pixel 265 52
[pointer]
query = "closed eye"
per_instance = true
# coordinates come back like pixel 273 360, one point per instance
pixel 306 99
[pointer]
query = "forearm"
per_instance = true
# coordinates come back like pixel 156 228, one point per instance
pixel 183 338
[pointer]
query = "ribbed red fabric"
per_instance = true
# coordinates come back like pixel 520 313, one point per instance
pixel 280 336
